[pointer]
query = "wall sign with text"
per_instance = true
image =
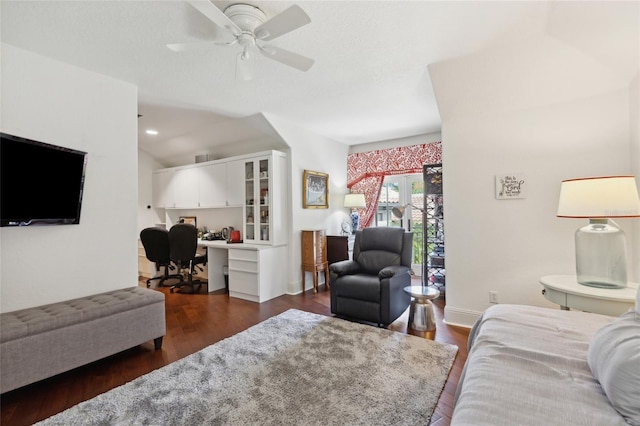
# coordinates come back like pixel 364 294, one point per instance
pixel 511 186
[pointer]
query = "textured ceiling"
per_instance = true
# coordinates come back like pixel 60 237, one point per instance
pixel 369 82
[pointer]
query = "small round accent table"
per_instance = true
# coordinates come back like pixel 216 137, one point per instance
pixel 421 317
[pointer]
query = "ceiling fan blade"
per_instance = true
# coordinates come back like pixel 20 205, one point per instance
pixel 286 57
pixel 284 22
pixel 215 15
pixel 245 63
pixel 186 47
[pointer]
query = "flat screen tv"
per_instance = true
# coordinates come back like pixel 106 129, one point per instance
pixel 40 183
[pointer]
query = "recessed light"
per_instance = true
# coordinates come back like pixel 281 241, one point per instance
pixel 151 132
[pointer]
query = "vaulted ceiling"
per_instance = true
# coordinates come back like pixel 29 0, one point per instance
pixel 370 80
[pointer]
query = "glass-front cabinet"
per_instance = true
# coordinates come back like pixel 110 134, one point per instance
pixel 264 197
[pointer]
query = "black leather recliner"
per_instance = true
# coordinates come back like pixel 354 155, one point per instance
pixel 371 286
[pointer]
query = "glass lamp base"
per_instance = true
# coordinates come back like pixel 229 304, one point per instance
pixel 601 284
pixel 601 255
pixel 355 221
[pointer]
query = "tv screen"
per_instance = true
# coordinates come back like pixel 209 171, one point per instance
pixel 40 183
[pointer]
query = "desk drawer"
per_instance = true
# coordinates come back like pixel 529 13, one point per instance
pixel 555 296
pixel 247 255
pixel 243 265
pixel 604 307
pixel 243 282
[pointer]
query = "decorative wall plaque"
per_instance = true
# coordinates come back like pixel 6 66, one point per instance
pixel 511 186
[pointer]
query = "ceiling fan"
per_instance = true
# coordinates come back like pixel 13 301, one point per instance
pixel 248 27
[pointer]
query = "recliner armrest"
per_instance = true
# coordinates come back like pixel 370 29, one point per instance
pixel 390 271
pixel 345 267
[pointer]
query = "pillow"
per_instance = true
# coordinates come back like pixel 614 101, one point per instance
pixel 614 360
pixel 638 301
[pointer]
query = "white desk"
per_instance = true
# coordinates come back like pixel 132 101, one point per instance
pixel 568 293
pixel 256 272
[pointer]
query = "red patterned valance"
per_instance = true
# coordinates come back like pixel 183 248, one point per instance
pixel 366 170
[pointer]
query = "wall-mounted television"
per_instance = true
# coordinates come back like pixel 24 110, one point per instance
pixel 40 183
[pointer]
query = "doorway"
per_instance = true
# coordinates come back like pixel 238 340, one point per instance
pixel 404 190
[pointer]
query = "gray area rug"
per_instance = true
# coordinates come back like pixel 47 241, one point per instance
pixel 296 368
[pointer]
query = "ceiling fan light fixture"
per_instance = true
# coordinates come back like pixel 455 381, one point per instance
pixel 245 16
pixel 268 50
pixel 249 25
pixel 263 34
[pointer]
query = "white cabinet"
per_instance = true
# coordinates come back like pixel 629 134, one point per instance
pixel 255 275
pixel 235 183
pixel 213 185
pixel 162 191
pixel 224 183
pixel 264 199
pixel 185 188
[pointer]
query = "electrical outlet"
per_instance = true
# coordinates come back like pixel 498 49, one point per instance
pixel 493 297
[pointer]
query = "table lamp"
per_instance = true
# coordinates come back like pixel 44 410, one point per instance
pixel 399 211
pixel 354 202
pixel 601 259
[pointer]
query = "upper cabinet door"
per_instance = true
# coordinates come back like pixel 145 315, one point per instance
pixel 162 195
pixel 185 188
pixel 235 183
pixel 213 188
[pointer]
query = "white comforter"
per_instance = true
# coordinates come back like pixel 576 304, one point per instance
pixel 528 366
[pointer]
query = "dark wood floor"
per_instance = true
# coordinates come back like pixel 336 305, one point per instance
pixel 195 321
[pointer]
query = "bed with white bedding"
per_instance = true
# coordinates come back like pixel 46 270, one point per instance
pixel 530 366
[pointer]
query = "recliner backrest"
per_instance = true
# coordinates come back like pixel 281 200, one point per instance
pixel 156 244
pixel 379 247
pixel 183 242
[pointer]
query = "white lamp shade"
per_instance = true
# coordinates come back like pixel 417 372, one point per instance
pixel 356 201
pixel 599 197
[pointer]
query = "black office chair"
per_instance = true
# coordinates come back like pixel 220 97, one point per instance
pixel 156 247
pixel 183 247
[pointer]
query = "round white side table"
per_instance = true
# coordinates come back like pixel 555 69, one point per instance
pixel 421 317
pixel 569 294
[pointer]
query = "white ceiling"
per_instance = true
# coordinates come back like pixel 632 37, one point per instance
pixel 369 82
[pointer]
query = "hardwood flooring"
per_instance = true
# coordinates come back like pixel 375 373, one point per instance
pixel 195 321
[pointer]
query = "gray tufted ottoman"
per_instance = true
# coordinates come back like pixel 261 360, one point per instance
pixel 40 342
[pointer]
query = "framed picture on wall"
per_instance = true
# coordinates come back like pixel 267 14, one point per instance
pixel 189 219
pixel 315 190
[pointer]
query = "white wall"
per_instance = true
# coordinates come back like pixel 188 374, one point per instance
pixel 634 119
pixel 548 106
pixel 147 215
pixel 56 103
pixel 310 151
pixel 507 245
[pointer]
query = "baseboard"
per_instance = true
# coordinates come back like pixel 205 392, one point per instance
pixel 294 288
pixel 460 317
